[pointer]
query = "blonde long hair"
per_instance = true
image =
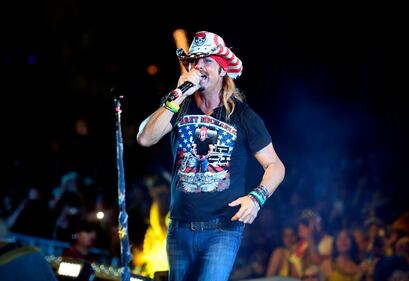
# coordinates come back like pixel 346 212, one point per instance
pixel 228 92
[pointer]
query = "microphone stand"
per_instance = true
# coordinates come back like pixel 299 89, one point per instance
pixel 123 216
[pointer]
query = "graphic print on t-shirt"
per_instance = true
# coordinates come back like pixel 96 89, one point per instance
pixel 204 150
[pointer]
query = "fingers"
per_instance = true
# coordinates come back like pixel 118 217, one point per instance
pixel 238 215
pixel 234 203
pixel 192 76
pixel 247 212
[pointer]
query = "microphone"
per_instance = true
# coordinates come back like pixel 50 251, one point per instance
pixel 174 94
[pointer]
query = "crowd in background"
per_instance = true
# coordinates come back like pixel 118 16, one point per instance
pixel 350 221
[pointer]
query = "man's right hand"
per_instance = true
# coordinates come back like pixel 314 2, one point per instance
pixel 193 76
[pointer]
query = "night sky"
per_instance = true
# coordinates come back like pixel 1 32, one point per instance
pixel 328 81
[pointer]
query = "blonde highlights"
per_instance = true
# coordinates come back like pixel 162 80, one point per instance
pixel 227 93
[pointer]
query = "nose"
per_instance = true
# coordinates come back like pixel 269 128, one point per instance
pixel 199 63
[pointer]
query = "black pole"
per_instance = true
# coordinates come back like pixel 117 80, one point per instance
pixel 123 216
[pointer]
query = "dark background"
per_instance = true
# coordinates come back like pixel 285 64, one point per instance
pixel 329 83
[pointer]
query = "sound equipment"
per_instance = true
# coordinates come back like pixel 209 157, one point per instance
pixel 161 276
pixel 22 263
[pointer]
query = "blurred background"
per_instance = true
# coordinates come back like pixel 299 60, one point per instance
pixel 327 81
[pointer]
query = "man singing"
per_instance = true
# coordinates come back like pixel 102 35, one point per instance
pixel 209 201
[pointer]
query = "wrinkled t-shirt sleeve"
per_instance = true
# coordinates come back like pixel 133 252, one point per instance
pixel 257 134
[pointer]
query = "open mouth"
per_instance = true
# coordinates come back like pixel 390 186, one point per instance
pixel 203 77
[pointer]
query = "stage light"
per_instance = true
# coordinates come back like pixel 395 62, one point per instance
pixel 80 270
pixel 152 69
pixel 100 215
pixel 181 41
pixel 69 269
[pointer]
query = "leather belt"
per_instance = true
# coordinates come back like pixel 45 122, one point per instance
pixel 206 225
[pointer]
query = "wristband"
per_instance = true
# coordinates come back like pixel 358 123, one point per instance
pixel 260 193
pixel 258 197
pixel 175 108
pixel 263 191
pixel 255 201
pixel 169 108
pixel 175 94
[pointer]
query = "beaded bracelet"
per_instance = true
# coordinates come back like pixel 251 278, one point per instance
pixel 263 191
pixel 261 194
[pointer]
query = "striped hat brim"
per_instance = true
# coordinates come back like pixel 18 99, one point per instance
pixel 235 66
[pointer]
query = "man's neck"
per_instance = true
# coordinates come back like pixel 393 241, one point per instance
pixel 207 102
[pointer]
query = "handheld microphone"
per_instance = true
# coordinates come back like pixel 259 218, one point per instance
pixel 174 94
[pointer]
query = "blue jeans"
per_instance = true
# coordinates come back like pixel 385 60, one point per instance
pixel 202 251
pixel 201 166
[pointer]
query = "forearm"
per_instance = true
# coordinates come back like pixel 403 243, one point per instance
pixel 153 128
pixel 273 176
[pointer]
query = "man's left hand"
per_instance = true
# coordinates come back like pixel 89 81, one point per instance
pixel 247 212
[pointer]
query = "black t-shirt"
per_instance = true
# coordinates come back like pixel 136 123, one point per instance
pixel 200 194
pixel 203 146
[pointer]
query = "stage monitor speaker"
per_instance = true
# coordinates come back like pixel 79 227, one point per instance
pixel 160 276
pixel 22 263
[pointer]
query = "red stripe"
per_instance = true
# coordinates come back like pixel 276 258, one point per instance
pixel 216 40
pixel 229 53
pixel 220 52
pixel 235 70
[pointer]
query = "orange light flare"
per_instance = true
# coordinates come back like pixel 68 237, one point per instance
pixel 152 69
pixel 180 37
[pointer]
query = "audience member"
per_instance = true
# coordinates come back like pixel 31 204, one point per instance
pixel 279 263
pixel 83 239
